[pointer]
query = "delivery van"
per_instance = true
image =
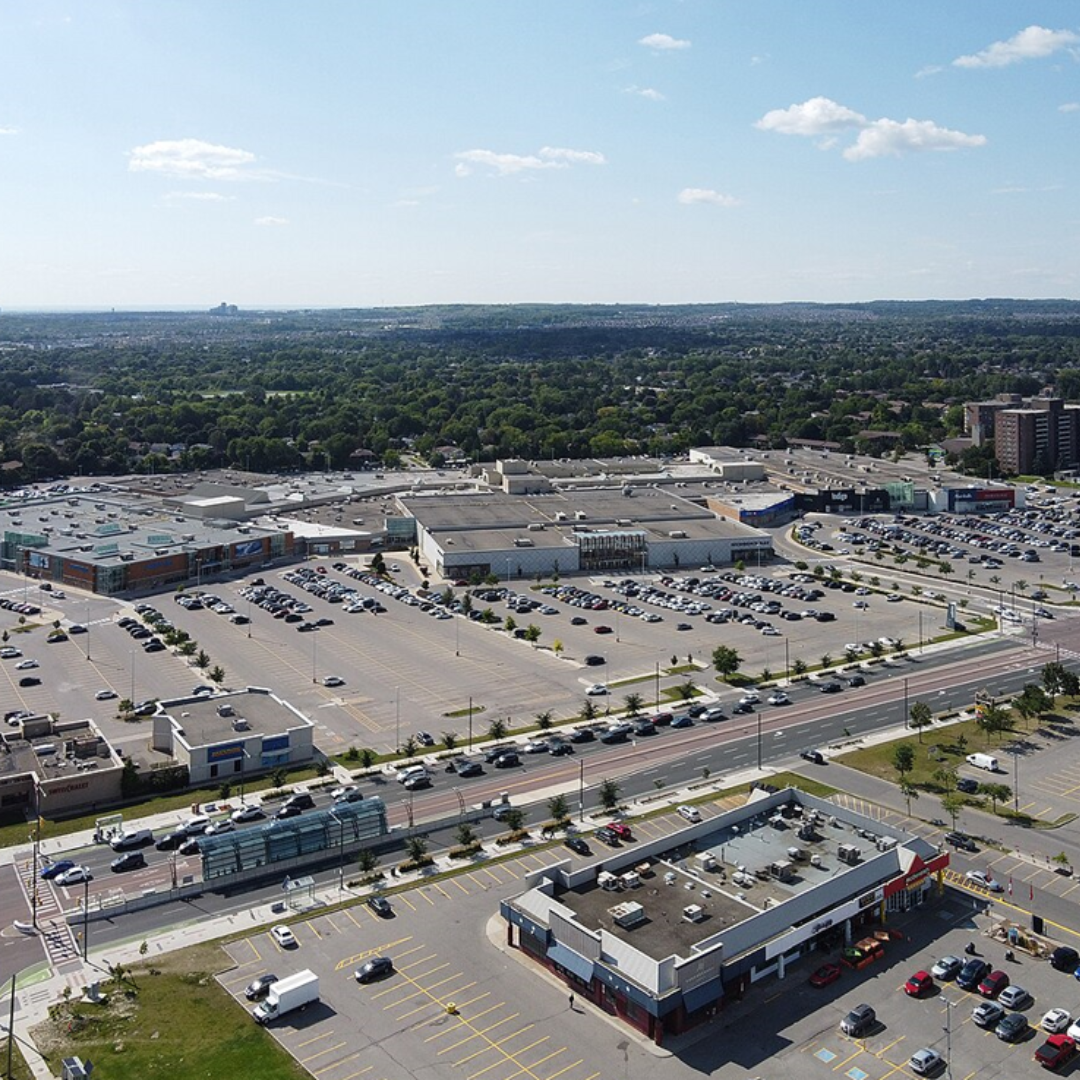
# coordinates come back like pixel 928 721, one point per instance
pixel 983 761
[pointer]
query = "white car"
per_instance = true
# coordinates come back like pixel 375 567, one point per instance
pixel 333 680
pixel 924 1061
pixel 779 698
pixel 247 813
pixel 1014 997
pixel 26 665
pixel 216 828
pixel 285 938
pixel 983 878
pixel 75 876
pixel 690 813
pixel 1056 1021
pixel 596 690
pixel 105 695
pixel 751 697
pixel 9 652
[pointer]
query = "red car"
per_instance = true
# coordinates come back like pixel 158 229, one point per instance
pixel 826 974
pixel 993 984
pixel 1057 1050
pixel 920 983
pixel 620 830
pixel 601 629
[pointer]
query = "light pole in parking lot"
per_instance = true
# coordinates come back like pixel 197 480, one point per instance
pixel 906 714
pixel 757 713
pixel 657 685
pixel 87 629
pixel 948 1039
pixel 313 639
pixel 132 698
pixel 581 794
pixel 249 614
pixel 397 717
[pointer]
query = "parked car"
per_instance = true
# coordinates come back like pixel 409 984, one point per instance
pixel 1064 958
pixel 283 936
pixel 826 974
pixel 578 845
pixel 468 768
pixel 375 968
pixel 1015 997
pixel 983 878
pixel 257 989
pixel 248 813
pixel 381 906
pixel 1055 1020
pixel 925 1061
pixel 596 690
pixel 621 830
pixel 972 973
pixel 859 1021
pixel 961 840
pixel 948 967
pixel 993 984
pixel 987 1015
pixel 606 836
pixel 920 984
pixel 1012 1027
pixel 816 757
pixel 690 813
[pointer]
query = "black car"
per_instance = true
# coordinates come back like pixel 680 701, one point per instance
pixel 831 688
pixel 172 841
pixel 695 711
pixel 559 748
pixel 381 906
pixel 972 973
pixel 961 840
pixel 616 733
pixel 29 680
pixel 468 768
pixel 375 968
pixel 288 811
pixel 608 837
pixel 856 680
pixel 257 988
pixel 495 752
pixel 644 727
pixel 576 844
pixel 814 756
pixel 1012 1028
pixel 1065 958
pixel 742 707
pixel 967 785
pixel 130 860
pixel 507 760
pixel 582 735
pixel 593 660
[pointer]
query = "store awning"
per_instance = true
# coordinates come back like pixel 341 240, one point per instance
pixel 703 995
pixel 573 962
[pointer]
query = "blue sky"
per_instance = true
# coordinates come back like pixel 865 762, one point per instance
pixel 169 153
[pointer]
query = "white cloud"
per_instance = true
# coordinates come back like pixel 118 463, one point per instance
pixel 663 42
pixel 573 157
pixel 1070 106
pixel 271 221
pixel 891 138
pixel 1033 43
pixel 549 157
pixel 929 69
pixel 198 196
pixel 645 92
pixel 191 159
pixel 9 131
pixel 817 116
pixel 822 117
pixel 692 195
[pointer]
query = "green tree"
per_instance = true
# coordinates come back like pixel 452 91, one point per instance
pixel 466 835
pixel 996 793
pixel 909 791
pixel 202 660
pixel 557 647
pixel 514 819
pixel 952 804
pixel 532 633
pixel 1053 679
pixel 510 624
pixel 558 808
pixel 826 660
pixel 416 848
pixel 903 758
pixel 993 720
pixel 589 711
pixel 685 691
pixel 609 793
pixel 633 703
pixel 498 728
pixel 726 660
pixel 409 747
pixel 279 777
pixel 920 716
pixel 545 719
pixel 449 739
pixel 217 674
pixel 946 776
pixel 366 861
pixel 1032 701
pixel 798 666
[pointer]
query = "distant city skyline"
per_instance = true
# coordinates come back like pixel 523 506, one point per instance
pixel 405 152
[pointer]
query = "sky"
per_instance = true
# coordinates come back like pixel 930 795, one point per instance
pixel 359 153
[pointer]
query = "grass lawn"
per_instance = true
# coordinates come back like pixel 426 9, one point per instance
pixel 951 745
pixel 179 1022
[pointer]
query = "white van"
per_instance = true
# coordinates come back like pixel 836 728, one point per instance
pixel 983 761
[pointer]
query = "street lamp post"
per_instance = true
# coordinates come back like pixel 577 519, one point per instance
pixel 657 685
pixel 470 723
pixel 905 703
pixel 88 630
pixel 314 638
pixel 397 717
pixel 757 713
pixel 581 791
pixel 132 698
pixel 86 918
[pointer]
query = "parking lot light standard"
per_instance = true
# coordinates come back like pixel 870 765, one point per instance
pixel 757 713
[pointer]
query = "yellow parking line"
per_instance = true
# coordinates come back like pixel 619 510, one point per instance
pixel 314 1039
pixel 837 1068
pixel 885 1049
pixel 593 1076
pixel 537 1064
pixel 477 1033
pixel 491 874
pixel 405 900
pixel 496 1064
pixel 481 884
pixel 328 1050
pixel 258 955
pixel 333 925
pixel 423 893
pixel 310 924
pixel 338 1064
pixel 352 919
pixel 436 885
pixel 457 882
pixel 451 978
pixel 572 1065
pixel 359 1072
pixel 416 963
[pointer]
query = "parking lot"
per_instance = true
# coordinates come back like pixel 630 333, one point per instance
pixel 407 668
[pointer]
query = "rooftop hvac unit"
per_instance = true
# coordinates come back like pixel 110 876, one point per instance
pixel 522 541
pixel 536 526
pixel 627 915
pixel 560 515
pixel 579 515
pixel 622 522
pixel 677 534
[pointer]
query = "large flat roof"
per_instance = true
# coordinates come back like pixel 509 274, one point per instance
pixel 265 714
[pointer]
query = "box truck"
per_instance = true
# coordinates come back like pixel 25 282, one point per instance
pixel 288 994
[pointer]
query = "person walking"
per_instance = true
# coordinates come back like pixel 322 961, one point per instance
pixel 571 1002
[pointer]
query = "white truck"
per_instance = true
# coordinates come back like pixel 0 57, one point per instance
pixel 286 995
